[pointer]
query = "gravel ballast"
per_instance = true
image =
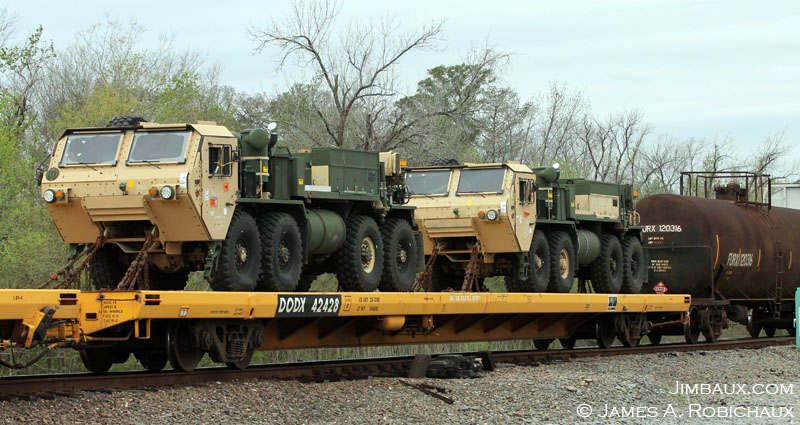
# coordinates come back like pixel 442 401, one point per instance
pixel 618 389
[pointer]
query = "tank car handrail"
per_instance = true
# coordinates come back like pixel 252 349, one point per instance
pixel 753 182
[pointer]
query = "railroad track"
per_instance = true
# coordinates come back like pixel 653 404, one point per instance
pixel 70 385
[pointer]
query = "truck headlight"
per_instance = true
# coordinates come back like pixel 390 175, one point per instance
pixel 49 196
pixel 491 215
pixel 167 192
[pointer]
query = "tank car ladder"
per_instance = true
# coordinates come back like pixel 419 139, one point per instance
pixel 779 263
pixel 778 279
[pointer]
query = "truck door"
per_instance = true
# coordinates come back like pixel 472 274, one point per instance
pixel 525 207
pixel 220 185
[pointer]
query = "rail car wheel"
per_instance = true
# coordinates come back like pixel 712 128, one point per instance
pixel 562 262
pixel 691 330
pixel 709 333
pixel 630 341
pixel 181 350
pixel 152 360
pixel 97 360
pixel 542 344
pixel 105 267
pixel 359 262
pixel 606 270
pixel 538 268
pixel 655 337
pixel 769 331
pixel 568 343
pixel 242 364
pixel 753 328
pixel 399 256
pixel 281 253
pixel 633 268
pixel 239 260
pixel 604 333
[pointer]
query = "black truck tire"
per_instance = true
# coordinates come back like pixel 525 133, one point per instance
pixel 538 268
pixel 438 162
pixel 562 262
pixel 125 121
pixel 443 279
pixel 306 280
pixel 359 261
pixel 633 267
pixel 399 256
pixel 281 253
pixel 163 281
pixel 239 260
pixel 606 270
pixel 105 268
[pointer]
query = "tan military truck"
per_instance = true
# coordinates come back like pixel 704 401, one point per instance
pixel 199 197
pixel 537 230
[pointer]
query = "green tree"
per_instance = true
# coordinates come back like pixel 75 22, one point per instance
pixel 29 244
pixel 452 107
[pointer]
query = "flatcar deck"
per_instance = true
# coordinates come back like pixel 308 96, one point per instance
pixel 302 320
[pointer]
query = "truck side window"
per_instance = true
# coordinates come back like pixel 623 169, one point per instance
pixel 219 160
pixel 525 192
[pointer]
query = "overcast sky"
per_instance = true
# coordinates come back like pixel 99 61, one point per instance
pixel 697 68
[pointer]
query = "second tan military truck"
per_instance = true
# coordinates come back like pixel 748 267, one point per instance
pixel 537 230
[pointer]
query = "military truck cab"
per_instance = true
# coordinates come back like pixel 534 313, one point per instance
pixel 198 197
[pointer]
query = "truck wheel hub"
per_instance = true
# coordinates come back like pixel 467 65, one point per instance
pixel 563 263
pixel 402 255
pixel 240 254
pixel 367 254
pixel 283 254
pixel 537 262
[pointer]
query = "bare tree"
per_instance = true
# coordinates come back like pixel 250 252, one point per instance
pixel 355 65
pixel 718 155
pixel 595 146
pixel 7 25
pixel 559 116
pixel 627 131
pixel 766 158
pixel 662 163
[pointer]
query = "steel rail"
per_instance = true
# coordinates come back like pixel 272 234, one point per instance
pixel 51 386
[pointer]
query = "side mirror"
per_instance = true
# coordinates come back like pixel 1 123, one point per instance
pixel 41 168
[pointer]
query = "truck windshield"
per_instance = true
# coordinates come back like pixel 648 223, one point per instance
pixel 428 182
pixel 481 180
pixel 159 146
pixel 91 149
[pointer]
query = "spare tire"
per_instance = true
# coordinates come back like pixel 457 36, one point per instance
pixel 125 121
pixel 444 162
